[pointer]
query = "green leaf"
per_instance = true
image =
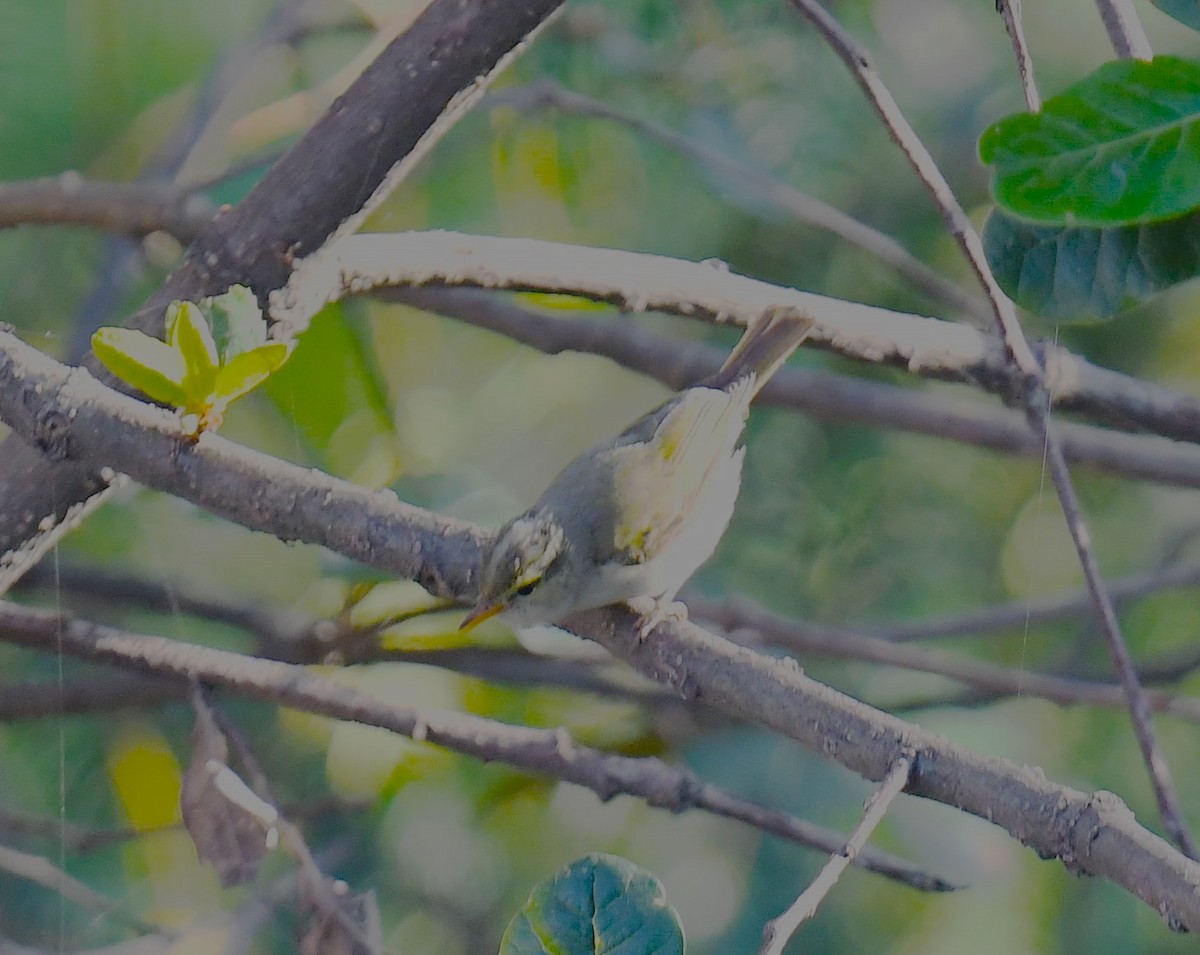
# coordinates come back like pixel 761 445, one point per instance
pixel 142 361
pixel 1072 274
pixel 598 905
pixel 248 370
pixel 188 333
pixel 1186 12
pixel 334 392
pixel 1121 147
pixel 236 321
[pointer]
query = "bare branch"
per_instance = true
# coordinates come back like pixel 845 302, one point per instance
pixel 1125 29
pixel 135 209
pixel 799 205
pixel 35 868
pixel 740 617
pixel 395 108
pixel 1035 386
pixel 821 393
pixel 1010 10
pixel 1018 613
pixel 638 282
pixel 547 752
pixel 781 928
pixel 110 691
pixel 68 413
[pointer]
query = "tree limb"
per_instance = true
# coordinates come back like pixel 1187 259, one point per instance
pixel 67 413
pixel 549 752
pixel 400 104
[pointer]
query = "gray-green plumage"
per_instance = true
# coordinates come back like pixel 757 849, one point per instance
pixel 635 515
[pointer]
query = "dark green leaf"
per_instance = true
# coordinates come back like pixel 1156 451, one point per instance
pixel 236 321
pixel 1186 12
pixel 1121 147
pixel 1070 274
pixel 140 360
pixel 599 905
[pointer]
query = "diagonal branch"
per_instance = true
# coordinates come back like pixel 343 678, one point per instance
pixel 781 928
pixel 1010 10
pixel 549 752
pixel 1125 30
pixel 67 413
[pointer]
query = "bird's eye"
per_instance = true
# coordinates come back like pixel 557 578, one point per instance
pixel 526 590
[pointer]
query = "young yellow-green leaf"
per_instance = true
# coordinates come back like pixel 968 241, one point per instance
pixel 236 321
pixel 188 333
pixel 1120 147
pixel 598 905
pixel 142 361
pixel 247 371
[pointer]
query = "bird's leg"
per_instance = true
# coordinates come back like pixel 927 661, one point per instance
pixel 656 610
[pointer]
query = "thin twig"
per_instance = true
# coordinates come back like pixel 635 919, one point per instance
pixel 1010 10
pixel 37 869
pixel 780 929
pixel 545 94
pixel 739 617
pixel 1034 398
pixel 1125 30
pixel 1018 613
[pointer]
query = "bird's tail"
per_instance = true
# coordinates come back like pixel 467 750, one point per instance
pixel 763 349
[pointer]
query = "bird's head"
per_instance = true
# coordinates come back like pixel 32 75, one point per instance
pixel 516 562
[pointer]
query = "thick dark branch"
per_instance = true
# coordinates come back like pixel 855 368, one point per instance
pixel 393 108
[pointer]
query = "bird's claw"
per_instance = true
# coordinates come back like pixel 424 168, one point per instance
pixel 655 610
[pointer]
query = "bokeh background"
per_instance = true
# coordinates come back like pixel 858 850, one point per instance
pixel 837 524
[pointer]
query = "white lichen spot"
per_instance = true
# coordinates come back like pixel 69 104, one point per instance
pixel 563 744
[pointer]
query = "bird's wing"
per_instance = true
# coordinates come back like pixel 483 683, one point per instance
pixel 660 467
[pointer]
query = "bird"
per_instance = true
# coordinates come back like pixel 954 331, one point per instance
pixel 634 516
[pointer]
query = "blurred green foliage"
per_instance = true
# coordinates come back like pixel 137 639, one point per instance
pixel 837 523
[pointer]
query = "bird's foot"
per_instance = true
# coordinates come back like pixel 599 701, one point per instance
pixel 656 610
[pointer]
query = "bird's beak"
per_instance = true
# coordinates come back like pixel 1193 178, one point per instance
pixel 479 613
